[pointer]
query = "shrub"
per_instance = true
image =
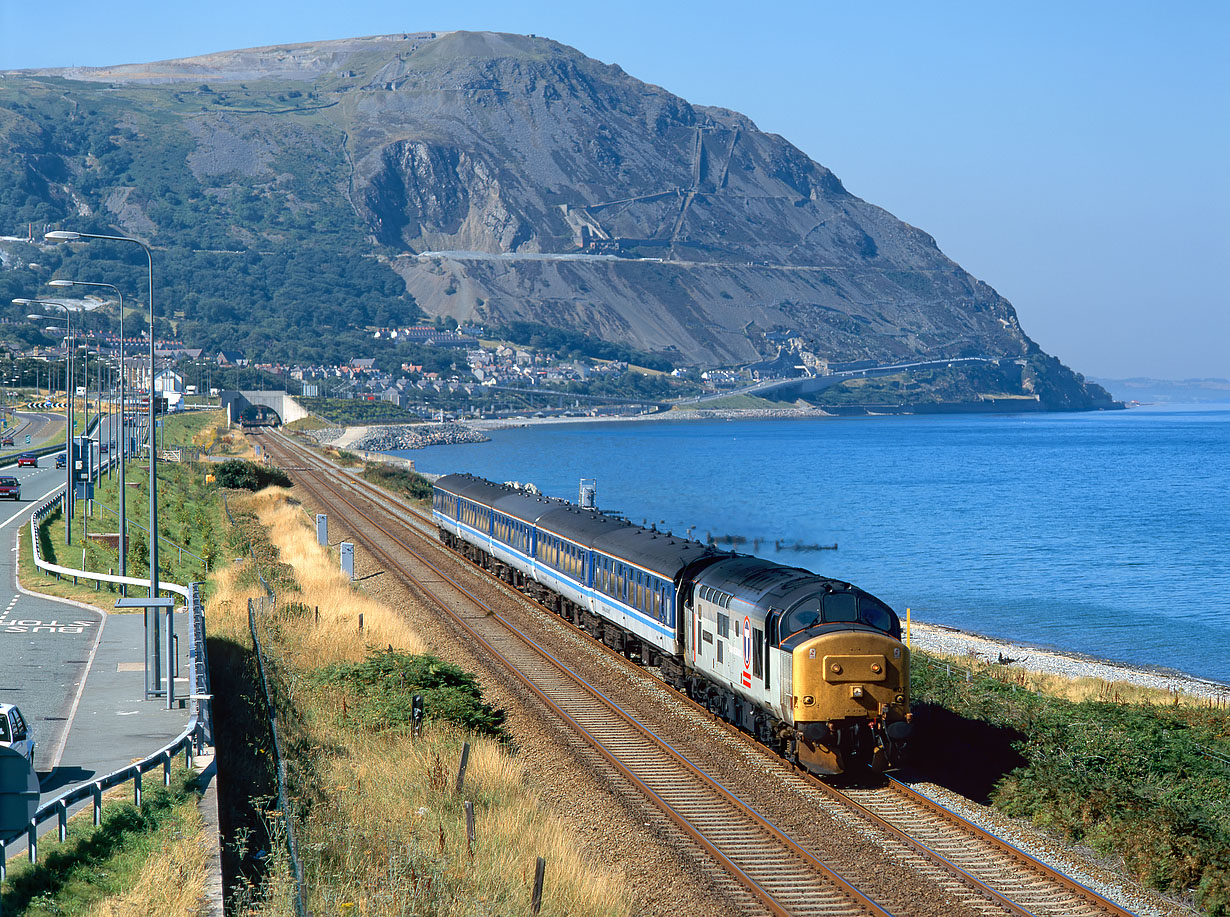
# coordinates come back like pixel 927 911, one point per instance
pixel 381 688
pixel 249 475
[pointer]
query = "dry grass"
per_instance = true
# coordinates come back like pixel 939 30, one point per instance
pixel 384 832
pixel 323 585
pixel 406 849
pixel 172 879
pixel 1071 689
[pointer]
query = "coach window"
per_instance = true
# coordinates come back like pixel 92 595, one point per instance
pixel 723 625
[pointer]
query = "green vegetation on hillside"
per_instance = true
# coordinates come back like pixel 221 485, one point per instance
pixel 358 411
pixel 574 344
pixel 1146 783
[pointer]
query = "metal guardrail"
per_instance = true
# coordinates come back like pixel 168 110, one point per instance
pixel 197 734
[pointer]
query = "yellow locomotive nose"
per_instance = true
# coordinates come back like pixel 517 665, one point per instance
pixel 849 674
pixel 844 682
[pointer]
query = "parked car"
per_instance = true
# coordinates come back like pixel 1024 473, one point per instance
pixel 62 461
pixel 15 733
pixel 9 487
pixel 27 458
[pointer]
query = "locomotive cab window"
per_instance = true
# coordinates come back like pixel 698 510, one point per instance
pixel 876 614
pixel 841 606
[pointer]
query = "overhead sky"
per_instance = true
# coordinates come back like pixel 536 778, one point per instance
pixel 1075 156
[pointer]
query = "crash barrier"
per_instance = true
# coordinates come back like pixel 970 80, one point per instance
pixel 197 734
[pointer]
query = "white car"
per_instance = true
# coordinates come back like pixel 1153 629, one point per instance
pixel 15 733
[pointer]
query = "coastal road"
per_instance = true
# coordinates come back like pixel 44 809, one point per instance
pixel 45 645
pixel 75 671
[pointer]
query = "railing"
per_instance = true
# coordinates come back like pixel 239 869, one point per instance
pixel 196 735
pixel 57 501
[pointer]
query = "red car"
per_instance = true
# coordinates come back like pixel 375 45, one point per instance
pixel 27 458
pixel 9 488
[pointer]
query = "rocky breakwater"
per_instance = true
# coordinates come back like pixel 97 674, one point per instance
pixel 417 436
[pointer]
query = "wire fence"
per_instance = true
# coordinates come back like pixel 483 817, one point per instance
pixel 265 606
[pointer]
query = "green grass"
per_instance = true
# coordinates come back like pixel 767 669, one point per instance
pixel 95 863
pixel 1149 784
pixel 303 424
pixel 190 516
pixel 400 481
pixel 356 411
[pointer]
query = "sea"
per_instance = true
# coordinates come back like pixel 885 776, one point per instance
pixel 1105 534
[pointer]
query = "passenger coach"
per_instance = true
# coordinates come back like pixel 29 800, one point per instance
pixel 811 666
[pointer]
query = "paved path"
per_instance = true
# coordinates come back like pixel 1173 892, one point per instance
pixel 76 671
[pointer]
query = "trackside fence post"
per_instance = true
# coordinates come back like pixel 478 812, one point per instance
pixel 540 869
pixel 461 770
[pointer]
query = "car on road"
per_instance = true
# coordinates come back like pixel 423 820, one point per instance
pixel 15 733
pixel 103 448
pixel 62 461
pixel 7 441
pixel 9 487
pixel 27 458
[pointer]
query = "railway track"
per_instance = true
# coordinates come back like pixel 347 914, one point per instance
pixel 984 871
pixel 778 871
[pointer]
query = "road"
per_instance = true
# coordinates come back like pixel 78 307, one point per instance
pixel 75 671
pixel 811 384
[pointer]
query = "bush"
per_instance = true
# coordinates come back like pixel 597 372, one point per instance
pixel 382 687
pixel 249 475
pixel 399 480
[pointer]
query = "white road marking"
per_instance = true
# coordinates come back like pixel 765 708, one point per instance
pixel 26 512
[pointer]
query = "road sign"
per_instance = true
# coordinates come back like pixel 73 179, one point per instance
pixel 27 439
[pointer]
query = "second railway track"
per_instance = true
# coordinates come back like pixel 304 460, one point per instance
pixel 984 873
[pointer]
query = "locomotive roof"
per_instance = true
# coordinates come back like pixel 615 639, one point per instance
pixel 658 552
pixel 764 583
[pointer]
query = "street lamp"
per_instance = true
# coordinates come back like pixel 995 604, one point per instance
pixel 62 235
pixel 68 409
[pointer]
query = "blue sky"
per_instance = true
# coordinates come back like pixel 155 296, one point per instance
pixel 1073 155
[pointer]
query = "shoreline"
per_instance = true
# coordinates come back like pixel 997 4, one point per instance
pixel 938 638
pixel 952 641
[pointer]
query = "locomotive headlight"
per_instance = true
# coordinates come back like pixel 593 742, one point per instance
pixel 901 698
pixel 877 668
pixel 856 691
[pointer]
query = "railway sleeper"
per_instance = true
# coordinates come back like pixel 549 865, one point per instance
pixel 771 732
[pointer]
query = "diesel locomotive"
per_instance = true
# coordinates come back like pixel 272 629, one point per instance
pixel 810 666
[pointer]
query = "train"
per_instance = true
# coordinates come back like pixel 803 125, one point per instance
pixel 812 667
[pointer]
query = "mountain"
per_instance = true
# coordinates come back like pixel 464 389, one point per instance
pixel 298 194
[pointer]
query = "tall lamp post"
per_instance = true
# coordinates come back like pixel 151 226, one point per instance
pixel 61 235
pixel 123 419
pixel 68 408
pixel 67 236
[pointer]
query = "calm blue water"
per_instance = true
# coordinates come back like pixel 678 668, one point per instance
pixel 1108 534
